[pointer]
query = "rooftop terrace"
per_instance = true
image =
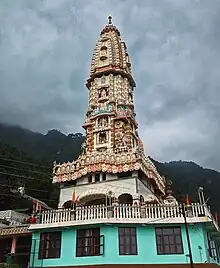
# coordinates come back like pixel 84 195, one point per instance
pixel 147 214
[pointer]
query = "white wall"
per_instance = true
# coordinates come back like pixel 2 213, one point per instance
pixel 143 189
pixel 117 186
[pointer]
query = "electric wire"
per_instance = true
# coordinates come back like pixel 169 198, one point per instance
pixel 22 162
pixel 37 172
pixel 31 178
pixel 21 176
pixel 26 188
pixel 42 180
pixel 11 195
pixel 52 200
pixel 25 170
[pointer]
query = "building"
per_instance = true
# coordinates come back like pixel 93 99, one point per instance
pixel 15 236
pixel 115 209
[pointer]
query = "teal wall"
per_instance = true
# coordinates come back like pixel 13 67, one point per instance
pixel 147 253
pixel 209 259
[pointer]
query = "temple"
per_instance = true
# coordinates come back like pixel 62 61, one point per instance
pixel 115 209
pixel 112 158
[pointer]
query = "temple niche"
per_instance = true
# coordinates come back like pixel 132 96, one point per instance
pixel 103 93
pixel 103 79
pixel 102 138
pixel 102 122
pixel 119 140
pixel 103 51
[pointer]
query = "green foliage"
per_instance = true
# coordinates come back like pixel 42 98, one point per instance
pixel 4 265
pixel 50 147
pixel 44 149
pixel 14 172
pixel 187 177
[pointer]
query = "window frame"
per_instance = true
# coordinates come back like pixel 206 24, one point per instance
pixel 104 176
pixel 89 242
pixel 46 245
pixel 128 247
pixel 90 178
pixel 97 177
pixel 213 248
pixel 160 238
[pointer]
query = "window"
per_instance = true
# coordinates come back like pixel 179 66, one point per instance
pixel 127 241
pixel 50 245
pixel 218 253
pixel 97 177
pixel 102 137
pixel 104 176
pixel 89 242
pixel 90 178
pixel 169 240
pixel 213 248
pixel 125 174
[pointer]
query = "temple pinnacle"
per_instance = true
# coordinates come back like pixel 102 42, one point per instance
pixel 109 19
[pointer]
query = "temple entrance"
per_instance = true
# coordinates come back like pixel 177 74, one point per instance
pixel 95 199
pixel 68 205
pixel 96 202
pixel 125 199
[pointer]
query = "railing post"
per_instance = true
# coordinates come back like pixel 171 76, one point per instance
pixel 121 211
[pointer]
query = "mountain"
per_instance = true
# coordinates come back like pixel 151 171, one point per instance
pixel 26 146
pixel 187 177
pixel 50 147
pixel 18 169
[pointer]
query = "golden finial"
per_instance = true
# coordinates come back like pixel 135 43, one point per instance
pixel 109 19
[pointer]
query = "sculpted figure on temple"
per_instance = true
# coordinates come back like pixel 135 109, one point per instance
pixel 83 148
pixel 119 140
pixel 140 146
pixel 100 122
pixel 105 122
pixel 103 52
pixel 102 137
pixel 103 93
pixel 103 79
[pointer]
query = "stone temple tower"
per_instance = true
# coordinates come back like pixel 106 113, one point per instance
pixel 112 164
pixel 105 189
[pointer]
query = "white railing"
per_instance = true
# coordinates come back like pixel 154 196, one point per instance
pixel 15 218
pixel 120 212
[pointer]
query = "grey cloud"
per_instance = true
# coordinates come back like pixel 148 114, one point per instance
pixel 46 47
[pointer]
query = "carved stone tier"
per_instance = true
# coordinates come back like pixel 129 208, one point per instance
pixel 109 163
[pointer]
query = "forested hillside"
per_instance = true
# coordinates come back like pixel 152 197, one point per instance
pixel 25 147
pixel 18 169
pixel 187 177
pixel 52 146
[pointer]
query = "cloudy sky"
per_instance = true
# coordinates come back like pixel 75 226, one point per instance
pixel 174 45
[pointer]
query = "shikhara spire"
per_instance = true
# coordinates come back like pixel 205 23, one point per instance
pixel 111 124
pixel 112 143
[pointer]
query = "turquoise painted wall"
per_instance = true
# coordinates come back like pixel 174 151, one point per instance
pixel 209 259
pixel 147 253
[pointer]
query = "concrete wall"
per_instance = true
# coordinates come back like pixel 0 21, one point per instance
pixel 147 253
pixel 130 185
pixel 117 186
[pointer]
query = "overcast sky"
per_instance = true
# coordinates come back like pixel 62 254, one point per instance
pixel 174 45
